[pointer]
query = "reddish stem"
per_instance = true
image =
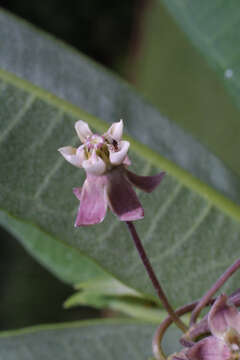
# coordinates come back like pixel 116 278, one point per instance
pixel 218 284
pixel 153 277
pixel 157 339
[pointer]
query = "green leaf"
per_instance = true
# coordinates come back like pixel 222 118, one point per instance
pixel 100 289
pixel 64 261
pixel 177 80
pixel 112 294
pixel 100 340
pixel 213 28
pixel 132 306
pixel 107 286
pixel 191 219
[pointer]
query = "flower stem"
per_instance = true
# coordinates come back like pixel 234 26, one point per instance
pixel 219 283
pixel 158 336
pixel 153 277
pixel 195 332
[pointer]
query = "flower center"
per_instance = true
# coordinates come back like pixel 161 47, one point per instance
pixel 232 338
pixel 94 142
pixel 99 144
pixel 235 356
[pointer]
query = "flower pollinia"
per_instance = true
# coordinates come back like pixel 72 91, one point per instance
pixel 108 181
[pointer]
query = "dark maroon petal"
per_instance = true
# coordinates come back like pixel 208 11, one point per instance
pixel 93 201
pixel 122 199
pixel 222 316
pixel 209 348
pixel 145 183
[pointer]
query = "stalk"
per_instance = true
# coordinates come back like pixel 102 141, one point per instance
pixel 218 284
pixel 153 277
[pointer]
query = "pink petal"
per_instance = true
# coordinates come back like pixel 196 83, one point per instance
pixel 93 201
pixel 209 348
pixel 77 192
pixel 126 161
pixel 82 130
pixel 222 316
pixel 117 157
pixel 180 356
pixel 199 329
pixel 145 183
pixel 122 199
pixel 72 155
pixel 116 130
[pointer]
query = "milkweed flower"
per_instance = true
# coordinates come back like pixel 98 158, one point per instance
pixel 224 324
pixel 224 341
pixel 108 181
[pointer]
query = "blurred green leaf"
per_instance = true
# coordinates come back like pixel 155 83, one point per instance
pixel 213 27
pixel 110 293
pixel 192 218
pixel 100 340
pixel 175 77
pixel 109 286
pixel 98 288
pixel 64 261
pixel 136 307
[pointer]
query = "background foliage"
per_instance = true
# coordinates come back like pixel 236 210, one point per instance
pixel 197 207
pixel 77 25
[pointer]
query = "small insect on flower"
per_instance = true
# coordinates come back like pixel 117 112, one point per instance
pixel 108 181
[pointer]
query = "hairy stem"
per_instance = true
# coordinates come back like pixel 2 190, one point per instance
pixel 219 283
pixel 153 277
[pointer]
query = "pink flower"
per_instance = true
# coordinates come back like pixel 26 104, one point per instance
pixel 108 182
pixel 224 343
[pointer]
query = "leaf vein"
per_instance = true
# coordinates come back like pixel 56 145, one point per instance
pixel 161 213
pixel 201 217
pixel 29 101
pixel 51 173
pixel 47 133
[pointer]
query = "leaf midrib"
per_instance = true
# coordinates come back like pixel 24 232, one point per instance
pixel 187 179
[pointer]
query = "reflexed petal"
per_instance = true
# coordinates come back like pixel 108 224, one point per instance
pixel 70 154
pixel 82 130
pixel 93 201
pixel 209 348
pixel 222 316
pixel 145 183
pixel 122 199
pixel 117 158
pixel 77 192
pixel 116 130
pixel 94 165
pixel 127 161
